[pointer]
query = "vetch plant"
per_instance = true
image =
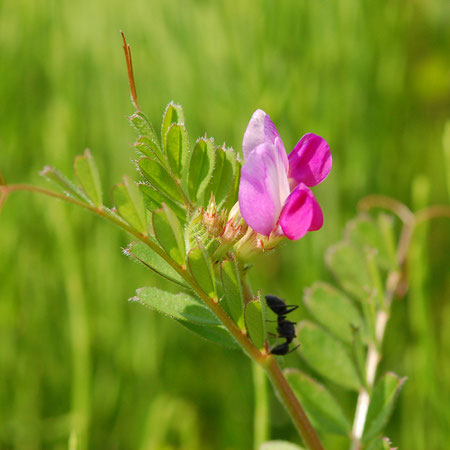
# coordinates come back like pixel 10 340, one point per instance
pixel 199 213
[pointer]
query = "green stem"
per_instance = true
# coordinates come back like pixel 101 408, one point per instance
pixel 291 403
pixel 261 412
pixel 267 361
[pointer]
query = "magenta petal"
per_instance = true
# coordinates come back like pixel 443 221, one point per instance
pixel 301 213
pixel 263 188
pixel 310 160
pixel 317 220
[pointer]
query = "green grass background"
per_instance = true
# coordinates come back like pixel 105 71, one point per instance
pixel 369 76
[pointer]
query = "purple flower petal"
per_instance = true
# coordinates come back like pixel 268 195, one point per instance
pixel 310 160
pixel 263 188
pixel 301 213
pixel 261 130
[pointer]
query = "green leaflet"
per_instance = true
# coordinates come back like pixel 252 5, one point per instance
pixel 348 265
pixel 63 183
pixel 223 176
pixel 150 149
pixel 364 231
pixel 160 179
pixel 201 268
pixel 130 204
pixel 182 306
pixel 153 199
pixel 145 255
pixel 334 310
pixel 327 356
pixel 321 407
pixel 169 233
pixel 199 171
pixel 177 147
pixel 173 114
pixel 87 174
pixel 144 127
pixel 382 403
pixel 255 322
pixel 233 296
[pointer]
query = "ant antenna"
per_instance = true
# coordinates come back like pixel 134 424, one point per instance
pixel 128 59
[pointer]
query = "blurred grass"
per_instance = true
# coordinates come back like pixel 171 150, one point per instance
pixel 75 358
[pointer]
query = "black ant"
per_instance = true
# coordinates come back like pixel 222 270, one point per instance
pixel 285 328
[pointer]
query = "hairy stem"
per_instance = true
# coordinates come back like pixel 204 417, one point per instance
pixel 291 403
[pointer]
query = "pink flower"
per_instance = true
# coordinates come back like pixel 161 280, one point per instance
pixel 273 193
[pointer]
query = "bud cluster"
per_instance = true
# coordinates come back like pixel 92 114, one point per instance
pixel 234 234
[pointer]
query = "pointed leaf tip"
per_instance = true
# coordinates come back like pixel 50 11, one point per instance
pixel 142 253
pixel 63 183
pixel 87 174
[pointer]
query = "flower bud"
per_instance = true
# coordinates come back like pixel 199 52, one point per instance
pixel 253 243
pixel 235 227
pixel 211 219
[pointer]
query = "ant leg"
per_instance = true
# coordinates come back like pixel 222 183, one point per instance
pixel 295 348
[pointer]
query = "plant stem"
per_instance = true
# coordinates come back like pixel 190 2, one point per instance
pixel 373 358
pixel 382 316
pixel 291 403
pixel 267 361
pixel 261 407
